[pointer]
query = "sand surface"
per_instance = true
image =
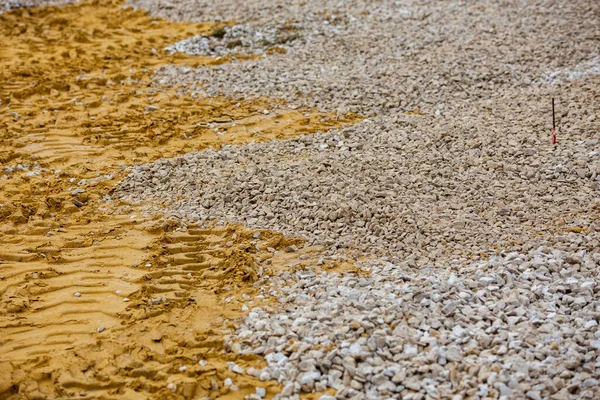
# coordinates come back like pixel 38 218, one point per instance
pixel 95 299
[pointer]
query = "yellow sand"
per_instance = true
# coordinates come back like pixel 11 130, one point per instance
pixel 77 99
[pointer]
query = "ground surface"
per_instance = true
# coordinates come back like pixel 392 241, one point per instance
pixel 77 107
pixel 350 199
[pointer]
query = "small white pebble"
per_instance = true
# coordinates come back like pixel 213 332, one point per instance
pixel 35 275
pixel 244 307
pixel 261 392
pixel 202 363
pixel 590 324
pixel 183 368
pixel 100 328
pixel 588 285
pixel 172 387
pixel 117 292
pixel 148 265
pixel 228 382
pixel 126 299
pixel 77 294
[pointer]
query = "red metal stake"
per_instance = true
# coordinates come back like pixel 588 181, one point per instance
pixel 553 124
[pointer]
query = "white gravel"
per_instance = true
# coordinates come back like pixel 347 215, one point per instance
pixel 516 326
pixel 237 39
pixel 580 71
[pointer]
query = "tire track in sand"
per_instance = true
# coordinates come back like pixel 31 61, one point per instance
pixel 90 285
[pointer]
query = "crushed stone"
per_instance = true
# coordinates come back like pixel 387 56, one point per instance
pixel 386 190
pixel 516 325
pixel 483 237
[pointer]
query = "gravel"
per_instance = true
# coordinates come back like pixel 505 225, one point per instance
pixel 7 5
pixel 519 325
pixel 390 57
pixel 580 71
pixel 482 276
pixel 481 237
pixel 454 162
pixel 237 39
pixel 381 189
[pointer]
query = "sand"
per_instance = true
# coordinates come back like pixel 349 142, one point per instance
pixel 95 299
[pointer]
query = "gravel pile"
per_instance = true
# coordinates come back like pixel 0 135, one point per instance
pixel 454 163
pixel 517 326
pixel 452 168
pixel 390 57
pixel 407 194
pixel 237 39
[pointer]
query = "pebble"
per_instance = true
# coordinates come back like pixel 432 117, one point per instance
pixel 309 377
pixel 235 368
pixel 590 324
pixel 534 395
pixel 265 376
